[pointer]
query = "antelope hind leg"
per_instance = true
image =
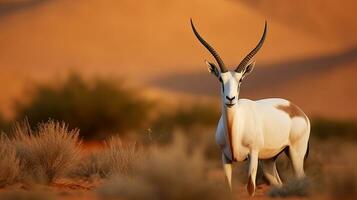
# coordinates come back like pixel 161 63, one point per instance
pixel 297 159
pixel 297 153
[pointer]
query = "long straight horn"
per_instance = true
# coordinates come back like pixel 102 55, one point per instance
pixel 210 49
pixel 247 58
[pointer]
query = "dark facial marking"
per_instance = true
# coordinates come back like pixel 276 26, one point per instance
pixel 220 80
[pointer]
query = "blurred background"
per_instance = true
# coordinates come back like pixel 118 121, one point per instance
pixel 134 66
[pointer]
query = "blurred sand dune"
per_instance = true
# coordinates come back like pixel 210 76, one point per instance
pixel 319 84
pixel 329 19
pixel 143 41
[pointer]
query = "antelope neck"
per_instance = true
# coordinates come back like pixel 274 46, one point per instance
pixel 229 114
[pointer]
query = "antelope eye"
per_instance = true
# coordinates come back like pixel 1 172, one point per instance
pixel 220 79
pixel 240 80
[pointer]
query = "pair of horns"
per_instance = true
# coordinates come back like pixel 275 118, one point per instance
pixel 219 60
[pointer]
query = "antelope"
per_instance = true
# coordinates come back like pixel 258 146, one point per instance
pixel 256 130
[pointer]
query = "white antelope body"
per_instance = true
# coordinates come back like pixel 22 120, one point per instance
pixel 256 129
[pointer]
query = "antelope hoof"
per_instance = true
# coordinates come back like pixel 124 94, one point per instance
pixel 250 186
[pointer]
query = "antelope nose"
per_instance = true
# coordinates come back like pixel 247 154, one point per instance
pixel 230 98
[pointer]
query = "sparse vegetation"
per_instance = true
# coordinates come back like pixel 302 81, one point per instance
pixel 169 172
pixel 176 170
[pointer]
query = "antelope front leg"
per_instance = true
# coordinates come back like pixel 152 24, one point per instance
pixel 253 166
pixel 227 167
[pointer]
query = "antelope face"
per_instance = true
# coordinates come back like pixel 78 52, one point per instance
pixel 230 80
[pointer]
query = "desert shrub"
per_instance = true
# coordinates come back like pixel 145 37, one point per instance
pixel 98 107
pixel 116 158
pixel 3 123
pixel 46 153
pixel 168 172
pixel 326 128
pixel 26 195
pixel 9 163
pixel 185 118
pixel 295 187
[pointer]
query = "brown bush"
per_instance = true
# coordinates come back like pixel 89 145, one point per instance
pixel 47 153
pixel 9 163
pixel 169 172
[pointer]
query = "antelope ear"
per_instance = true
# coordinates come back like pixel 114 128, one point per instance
pixel 248 69
pixel 212 68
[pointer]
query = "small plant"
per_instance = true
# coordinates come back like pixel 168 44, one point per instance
pixel 47 153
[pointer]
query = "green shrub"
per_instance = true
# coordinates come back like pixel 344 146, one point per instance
pixel 101 107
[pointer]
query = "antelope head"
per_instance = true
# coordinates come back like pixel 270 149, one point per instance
pixel 230 79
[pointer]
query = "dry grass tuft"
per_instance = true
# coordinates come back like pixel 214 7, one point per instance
pixel 169 172
pixel 9 163
pixel 47 153
pixel 115 158
pixel 121 157
pixel 295 187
